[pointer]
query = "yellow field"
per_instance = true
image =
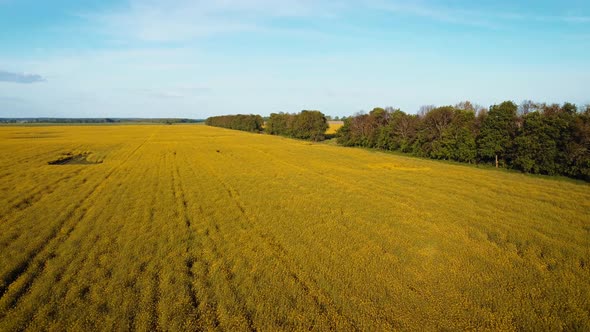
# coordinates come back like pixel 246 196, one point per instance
pixel 334 126
pixel 194 227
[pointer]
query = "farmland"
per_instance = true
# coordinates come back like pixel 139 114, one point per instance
pixel 334 126
pixel 190 227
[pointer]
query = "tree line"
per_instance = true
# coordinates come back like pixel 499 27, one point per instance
pixel 309 125
pixel 534 138
pixel 244 122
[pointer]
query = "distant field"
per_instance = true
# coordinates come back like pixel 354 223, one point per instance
pixel 334 126
pixel 194 227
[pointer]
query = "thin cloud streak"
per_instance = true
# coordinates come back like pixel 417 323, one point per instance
pixel 436 13
pixel 21 78
pixel 468 17
pixel 177 21
pixel 184 20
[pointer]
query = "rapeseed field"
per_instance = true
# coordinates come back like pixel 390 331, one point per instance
pixel 188 227
pixel 334 126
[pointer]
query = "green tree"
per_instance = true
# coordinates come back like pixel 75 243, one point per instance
pixel 310 125
pixel 459 137
pixel 434 125
pixel 578 158
pixel 375 122
pixel 400 133
pixel 497 132
pixel 355 131
pixel 344 133
pixel 535 146
pixel 251 122
pixel 279 124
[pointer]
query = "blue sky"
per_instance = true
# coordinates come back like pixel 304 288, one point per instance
pixel 181 58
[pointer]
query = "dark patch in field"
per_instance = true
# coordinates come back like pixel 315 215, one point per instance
pixel 73 159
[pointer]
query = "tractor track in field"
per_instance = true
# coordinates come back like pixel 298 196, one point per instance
pixel 284 257
pixel 58 278
pixel 59 234
pixel 153 317
pixel 228 276
pixel 154 321
pixel 211 309
pixel 180 194
pixel 308 285
pixel 36 259
pixel 50 254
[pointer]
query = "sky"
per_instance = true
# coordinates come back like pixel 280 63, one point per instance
pixel 194 59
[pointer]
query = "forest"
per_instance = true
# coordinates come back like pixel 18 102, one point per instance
pixel 244 122
pixel 534 138
pixel 310 125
